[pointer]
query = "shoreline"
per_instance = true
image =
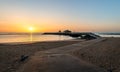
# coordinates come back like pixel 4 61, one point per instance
pixel 28 42
pixel 22 43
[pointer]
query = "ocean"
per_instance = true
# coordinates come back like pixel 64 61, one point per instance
pixel 34 38
pixel 11 38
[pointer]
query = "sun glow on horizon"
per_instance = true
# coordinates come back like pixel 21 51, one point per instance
pixel 38 16
pixel 31 29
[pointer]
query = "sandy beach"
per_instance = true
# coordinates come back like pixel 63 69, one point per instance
pixel 10 53
pixel 59 35
pixel 98 55
pixel 105 54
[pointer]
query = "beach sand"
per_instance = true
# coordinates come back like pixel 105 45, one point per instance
pixel 98 55
pixel 10 54
pixel 59 60
pixel 105 54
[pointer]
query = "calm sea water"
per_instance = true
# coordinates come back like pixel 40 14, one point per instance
pixel 108 34
pixel 33 38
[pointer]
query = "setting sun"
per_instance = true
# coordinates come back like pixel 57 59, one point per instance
pixel 31 28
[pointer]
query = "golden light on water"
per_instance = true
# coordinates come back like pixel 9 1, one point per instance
pixel 31 29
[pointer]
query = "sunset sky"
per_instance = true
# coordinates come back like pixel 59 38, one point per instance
pixel 54 15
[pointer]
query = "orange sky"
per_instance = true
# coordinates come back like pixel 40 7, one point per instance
pixel 22 24
pixel 55 15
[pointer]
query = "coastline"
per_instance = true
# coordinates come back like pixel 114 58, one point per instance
pixel 30 42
